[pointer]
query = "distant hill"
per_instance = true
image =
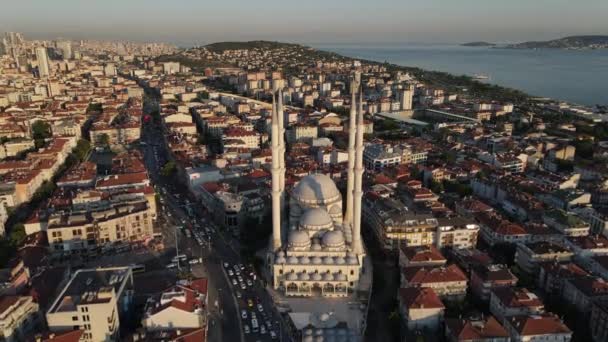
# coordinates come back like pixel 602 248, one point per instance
pixel 572 42
pixel 254 44
pixel 478 44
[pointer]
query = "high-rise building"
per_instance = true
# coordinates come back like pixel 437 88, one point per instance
pixel 65 46
pixel 406 97
pixel 43 61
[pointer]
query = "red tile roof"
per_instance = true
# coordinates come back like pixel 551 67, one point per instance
pixel 517 297
pixel 472 330
pixel 420 298
pixel 538 325
pixel 424 275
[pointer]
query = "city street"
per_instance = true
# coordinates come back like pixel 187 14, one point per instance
pixel 225 309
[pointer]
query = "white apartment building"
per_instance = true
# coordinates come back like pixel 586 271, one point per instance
pixel 92 301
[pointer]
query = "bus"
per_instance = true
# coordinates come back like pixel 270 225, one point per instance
pixel 254 325
pixel 138 268
pixel 181 257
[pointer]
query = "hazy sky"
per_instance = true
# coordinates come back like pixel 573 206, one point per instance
pixel 187 22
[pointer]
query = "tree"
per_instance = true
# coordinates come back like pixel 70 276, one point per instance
pixel 104 139
pixel 168 169
pixel 436 187
pixel 18 235
pixel 82 149
pixel 41 130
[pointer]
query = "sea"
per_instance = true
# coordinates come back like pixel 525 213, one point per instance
pixel 576 76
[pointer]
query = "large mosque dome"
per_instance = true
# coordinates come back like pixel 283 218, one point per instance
pixel 316 189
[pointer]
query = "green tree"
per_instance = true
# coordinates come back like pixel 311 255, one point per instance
pixel 18 235
pixel 41 130
pixel 104 139
pixel 168 169
pixel 82 149
pixel 436 187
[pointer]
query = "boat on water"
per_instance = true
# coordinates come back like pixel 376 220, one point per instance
pixel 480 77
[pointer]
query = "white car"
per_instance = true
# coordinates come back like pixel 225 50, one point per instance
pixel 260 308
pixel 194 261
pixel 234 282
pixel 171 265
pixel 226 265
pixel 273 335
pixel 246 328
pixel 230 273
pixel 262 329
pixel 244 314
pixel 249 282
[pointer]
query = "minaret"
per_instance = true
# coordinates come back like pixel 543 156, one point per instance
pixel 282 149
pixel 350 187
pixel 358 190
pixel 276 189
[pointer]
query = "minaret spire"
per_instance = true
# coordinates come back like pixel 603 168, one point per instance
pixel 350 186
pixel 276 189
pixel 282 149
pixel 358 192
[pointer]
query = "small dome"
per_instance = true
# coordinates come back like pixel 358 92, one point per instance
pixel 317 261
pixel 308 332
pixel 298 238
pixel 327 277
pixel 304 260
pixel 328 260
pixel 317 277
pixel 316 189
pixel 318 332
pixel 334 238
pixel 335 210
pixel 340 261
pixel 352 260
pixel 280 254
pixel 340 277
pixel 316 219
pixel 281 260
pixel 304 276
pixel 292 276
pixel 293 260
pixel 308 339
pixel 316 247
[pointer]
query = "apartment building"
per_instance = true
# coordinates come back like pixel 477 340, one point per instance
pixel 421 308
pixel 183 306
pixel 19 317
pixel 506 302
pixel 485 279
pixel 529 256
pixel 449 282
pixel 393 225
pixel 92 300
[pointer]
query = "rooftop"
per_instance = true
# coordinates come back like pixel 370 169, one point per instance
pixel 91 286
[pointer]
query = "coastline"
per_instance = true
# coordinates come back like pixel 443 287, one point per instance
pixel 531 72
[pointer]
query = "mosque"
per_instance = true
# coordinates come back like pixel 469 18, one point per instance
pixel 317 250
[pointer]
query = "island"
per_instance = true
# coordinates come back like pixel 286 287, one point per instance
pixel 478 44
pixel 571 43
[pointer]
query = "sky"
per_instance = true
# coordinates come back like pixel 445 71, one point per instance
pixel 197 22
